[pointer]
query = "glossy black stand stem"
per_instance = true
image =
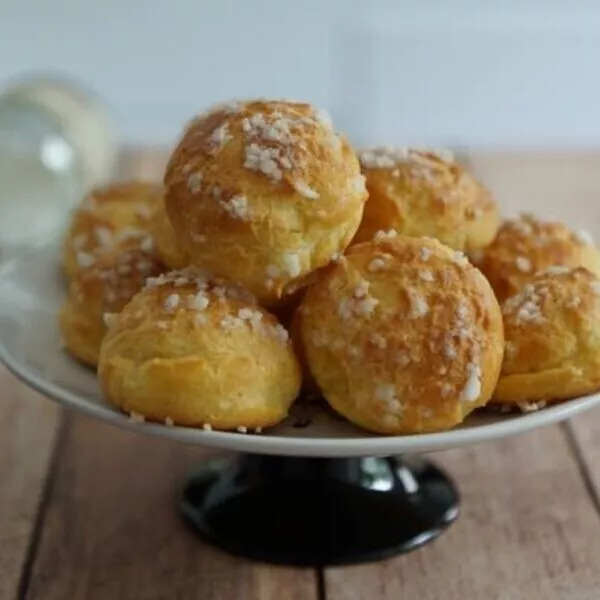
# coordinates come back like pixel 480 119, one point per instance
pixel 316 511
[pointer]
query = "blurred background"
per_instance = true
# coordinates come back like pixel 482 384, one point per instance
pixel 464 72
pixel 477 77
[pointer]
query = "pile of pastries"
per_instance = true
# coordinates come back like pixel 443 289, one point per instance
pixel 274 258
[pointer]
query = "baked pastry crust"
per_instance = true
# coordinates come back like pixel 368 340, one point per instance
pixel 264 193
pixel 109 219
pixel 526 245
pixel 552 330
pixel 167 246
pixel 423 193
pixel 196 350
pixel 403 335
pixel 96 293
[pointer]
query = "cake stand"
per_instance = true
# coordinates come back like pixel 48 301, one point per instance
pixel 312 491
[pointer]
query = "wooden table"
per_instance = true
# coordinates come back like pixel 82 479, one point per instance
pixel 86 511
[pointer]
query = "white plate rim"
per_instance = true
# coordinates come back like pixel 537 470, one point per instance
pixel 293 446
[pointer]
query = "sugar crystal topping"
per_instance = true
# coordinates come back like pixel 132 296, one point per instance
pixel 199 301
pixel 385 393
pixel 378 340
pixel 365 307
pixel 449 350
pixel 236 207
pixel 426 253
pixel 383 157
pixel 388 157
pixel 418 304
pixel 194 182
pixel 292 264
pixel 130 233
pixel 103 236
pixel 555 270
pixel 272 140
pixel 381 236
pixel 359 304
pixel 202 282
pixel 231 322
pixel 521 225
pixel 266 160
pixel 147 243
pixel 528 407
pixel 359 184
pixel 85 259
pixel 305 190
pixel 377 264
pixel 172 302
pixel 525 306
pixel 252 316
pixel 361 289
pixel 349 307
pixel 220 292
pixel 110 319
pixel 218 138
pixel 280 333
pixel 463 329
pixel 472 388
pixel 460 258
pixel 523 264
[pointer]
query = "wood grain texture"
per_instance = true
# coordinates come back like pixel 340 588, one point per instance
pixel 28 425
pixel 528 530
pixel 111 530
pixel 585 432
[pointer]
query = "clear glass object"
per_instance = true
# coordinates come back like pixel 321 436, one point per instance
pixel 56 141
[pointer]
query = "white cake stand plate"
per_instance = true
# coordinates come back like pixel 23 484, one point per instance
pixel 314 490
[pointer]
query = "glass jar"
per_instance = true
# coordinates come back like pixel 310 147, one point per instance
pixel 56 141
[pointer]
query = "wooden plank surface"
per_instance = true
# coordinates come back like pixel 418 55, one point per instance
pixel 111 530
pixel 28 426
pixel 585 433
pixel 528 531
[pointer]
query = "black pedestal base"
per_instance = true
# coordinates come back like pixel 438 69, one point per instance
pixel 315 511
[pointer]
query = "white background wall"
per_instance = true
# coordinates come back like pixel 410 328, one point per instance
pixel 431 71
